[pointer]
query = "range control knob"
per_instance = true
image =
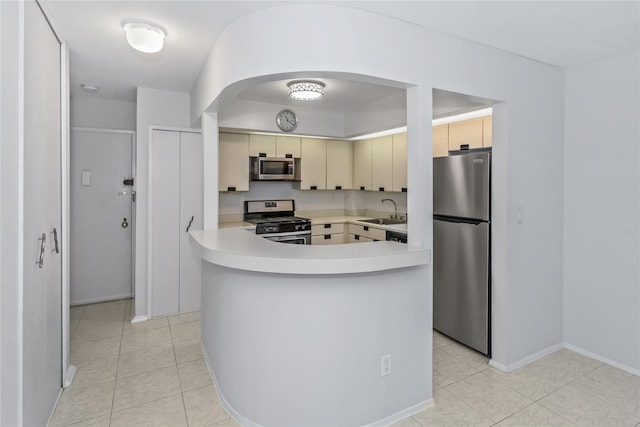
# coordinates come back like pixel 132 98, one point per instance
pixel 297 227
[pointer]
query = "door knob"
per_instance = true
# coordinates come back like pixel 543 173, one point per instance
pixel 124 224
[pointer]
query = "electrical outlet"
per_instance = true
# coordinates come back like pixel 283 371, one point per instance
pixel 385 365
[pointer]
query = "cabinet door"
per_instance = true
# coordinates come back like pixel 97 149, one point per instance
pixel 400 162
pixel 287 146
pixel 382 163
pixel 487 131
pixel 262 145
pixel 233 162
pixel 191 165
pixel 339 165
pixel 314 164
pixel 362 164
pixel 165 218
pixel 440 139
pixel 468 132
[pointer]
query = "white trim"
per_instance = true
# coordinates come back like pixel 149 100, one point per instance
pixel 526 360
pixel 20 248
pixel 248 423
pixel 101 299
pixel 86 129
pixel 65 222
pixel 602 359
pixel 139 319
pixel 429 403
pixel 174 129
pixel 68 379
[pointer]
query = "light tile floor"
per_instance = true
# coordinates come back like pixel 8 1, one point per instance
pixel 154 374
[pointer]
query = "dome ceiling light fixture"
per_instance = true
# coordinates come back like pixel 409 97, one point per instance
pixel 89 88
pixel 306 90
pixel 144 36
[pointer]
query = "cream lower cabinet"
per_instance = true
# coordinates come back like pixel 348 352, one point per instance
pixel 327 234
pixel 400 162
pixel 233 162
pixel 364 233
pixel 313 164
pixel 362 165
pixel 382 163
pixel 339 165
pixel 175 187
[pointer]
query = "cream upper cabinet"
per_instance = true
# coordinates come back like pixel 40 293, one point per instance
pixel 339 165
pixel 465 133
pixel 400 162
pixel 313 153
pixel 440 139
pixel 233 162
pixel 362 164
pixel 262 145
pixel 487 131
pixel 382 163
pixel 287 146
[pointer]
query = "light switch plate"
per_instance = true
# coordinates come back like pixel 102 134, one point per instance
pixel 85 178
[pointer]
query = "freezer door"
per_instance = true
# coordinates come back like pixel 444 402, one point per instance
pixel 461 282
pixel 461 185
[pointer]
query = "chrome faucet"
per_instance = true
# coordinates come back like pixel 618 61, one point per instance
pixel 395 207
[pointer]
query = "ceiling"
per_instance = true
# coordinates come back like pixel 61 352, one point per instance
pixel 560 33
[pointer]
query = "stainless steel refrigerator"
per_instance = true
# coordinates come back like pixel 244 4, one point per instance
pixel 462 248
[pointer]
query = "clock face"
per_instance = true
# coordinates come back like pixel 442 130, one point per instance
pixel 286 120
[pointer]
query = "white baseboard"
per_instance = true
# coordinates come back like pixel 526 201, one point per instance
pixel 101 299
pixel 403 414
pixel 602 359
pixel 248 423
pixel 138 319
pixel 71 372
pixel 525 361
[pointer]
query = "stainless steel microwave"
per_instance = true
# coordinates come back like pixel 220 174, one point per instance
pixel 271 169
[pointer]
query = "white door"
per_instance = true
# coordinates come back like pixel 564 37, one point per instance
pixel 101 216
pixel 191 166
pixel 42 293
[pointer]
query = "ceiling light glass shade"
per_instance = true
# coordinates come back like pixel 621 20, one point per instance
pixel 306 90
pixel 144 36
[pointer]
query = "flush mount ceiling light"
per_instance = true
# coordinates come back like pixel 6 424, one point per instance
pixel 144 36
pixel 306 90
pixel 89 88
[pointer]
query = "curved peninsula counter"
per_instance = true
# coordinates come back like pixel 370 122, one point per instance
pixel 296 335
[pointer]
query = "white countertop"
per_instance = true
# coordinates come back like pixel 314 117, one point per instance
pixel 355 220
pixel 241 248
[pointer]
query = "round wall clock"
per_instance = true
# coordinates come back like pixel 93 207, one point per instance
pixel 287 120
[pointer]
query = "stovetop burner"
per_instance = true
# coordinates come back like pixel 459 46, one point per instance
pixel 275 216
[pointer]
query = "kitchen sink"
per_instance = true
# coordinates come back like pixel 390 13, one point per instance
pixel 383 221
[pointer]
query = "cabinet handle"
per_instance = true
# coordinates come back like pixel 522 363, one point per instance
pixel 404 189
pixel 355 236
pixel 313 187
pixel 262 154
pixel 381 189
pixel 338 187
pixel 327 236
pixel 55 240
pixel 43 242
pixel 365 228
pixel 288 156
pixel 362 188
pixel 190 222
pixel 464 146
pixel 231 188
pixel 327 226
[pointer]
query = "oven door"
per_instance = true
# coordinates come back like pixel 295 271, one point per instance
pixel 291 238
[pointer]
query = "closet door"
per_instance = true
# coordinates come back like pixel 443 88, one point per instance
pixel 190 218
pixel 165 217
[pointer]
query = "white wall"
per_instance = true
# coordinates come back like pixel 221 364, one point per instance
pixel 154 107
pixel 101 113
pixel 602 197
pixel 527 282
pixel 10 218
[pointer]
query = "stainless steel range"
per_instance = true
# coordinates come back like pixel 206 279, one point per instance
pixel 275 220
